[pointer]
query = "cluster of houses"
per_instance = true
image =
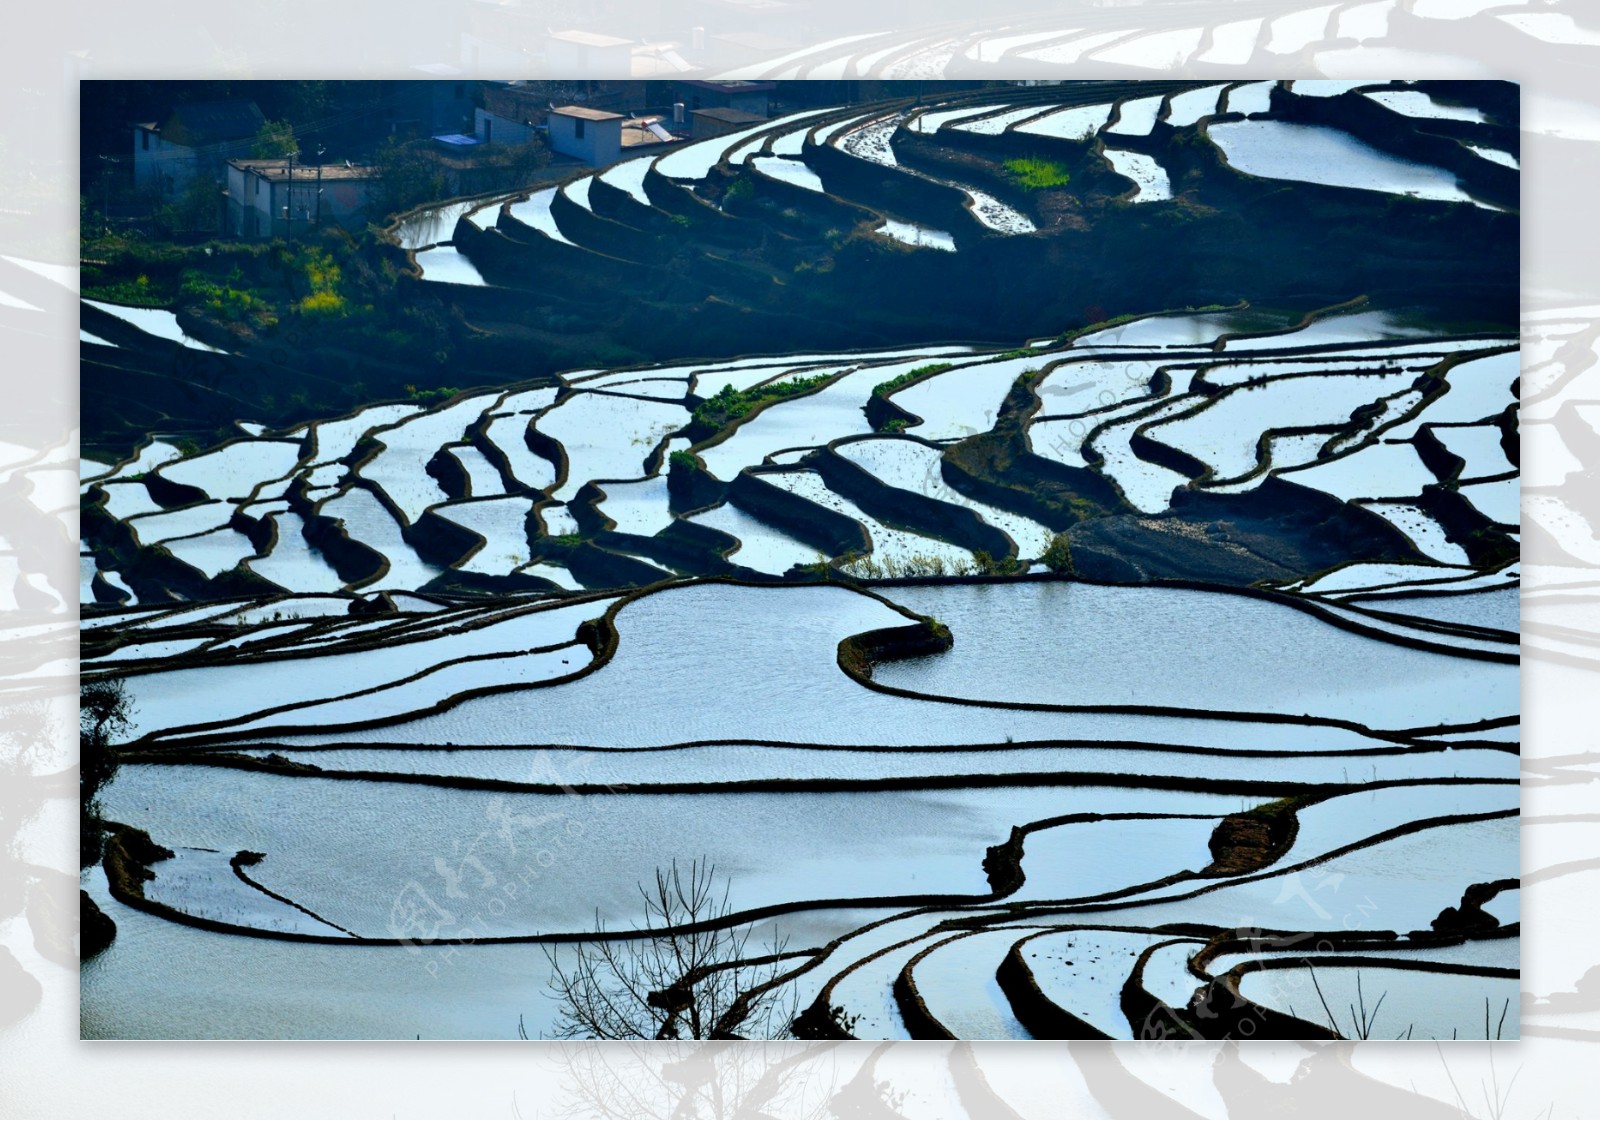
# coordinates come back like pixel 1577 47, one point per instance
pixel 470 123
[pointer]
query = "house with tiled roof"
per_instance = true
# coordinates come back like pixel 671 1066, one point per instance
pixel 195 139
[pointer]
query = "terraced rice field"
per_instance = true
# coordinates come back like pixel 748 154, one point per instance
pixel 1004 680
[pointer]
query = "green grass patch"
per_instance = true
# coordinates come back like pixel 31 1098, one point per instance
pixel 231 299
pixel 884 388
pixel 732 404
pixel 139 291
pixel 1037 175
pixel 1102 325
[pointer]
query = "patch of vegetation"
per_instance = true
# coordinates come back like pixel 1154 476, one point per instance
pixel 912 567
pixel 1057 556
pixel 884 388
pixel 405 177
pixel 231 299
pixel 105 714
pixel 989 566
pixel 319 273
pixel 431 396
pixel 194 210
pixel 1102 325
pixel 818 569
pixel 739 190
pixel 140 291
pixel 275 140
pixel 1035 174
pixel 895 426
pixel 732 404
pixel 842 1021
pixel 684 461
pixel 1271 811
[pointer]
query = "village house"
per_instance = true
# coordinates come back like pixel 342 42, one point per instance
pixel 492 128
pixel 193 140
pixel 281 198
pixel 591 135
pixel 720 122
pixel 747 97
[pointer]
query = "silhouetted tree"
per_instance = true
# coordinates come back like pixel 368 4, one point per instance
pixel 685 976
pixel 104 716
pixel 275 141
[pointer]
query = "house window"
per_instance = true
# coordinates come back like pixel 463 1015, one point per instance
pixel 144 139
pixel 488 130
pixel 577 128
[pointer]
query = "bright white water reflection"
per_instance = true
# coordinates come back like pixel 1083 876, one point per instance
pixel 1330 156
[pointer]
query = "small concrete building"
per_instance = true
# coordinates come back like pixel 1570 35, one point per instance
pixel 586 54
pixel 720 122
pixel 591 135
pixel 492 128
pixel 277 198
pixel 193 140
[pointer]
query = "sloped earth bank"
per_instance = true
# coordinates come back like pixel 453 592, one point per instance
pixel 1125 651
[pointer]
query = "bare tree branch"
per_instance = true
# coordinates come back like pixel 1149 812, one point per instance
pixel 689 978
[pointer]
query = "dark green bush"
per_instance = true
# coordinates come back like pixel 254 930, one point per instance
pixel 1058 556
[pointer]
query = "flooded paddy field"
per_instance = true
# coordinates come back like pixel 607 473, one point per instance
pixel 995 664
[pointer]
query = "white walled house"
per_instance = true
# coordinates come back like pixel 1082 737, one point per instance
pixel 277 198
pixel 492 128
pixel 591 135
pixel 193 140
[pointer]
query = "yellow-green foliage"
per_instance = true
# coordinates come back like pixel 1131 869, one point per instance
pixel 322 276
pixel 1037 175
pixel 322 303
